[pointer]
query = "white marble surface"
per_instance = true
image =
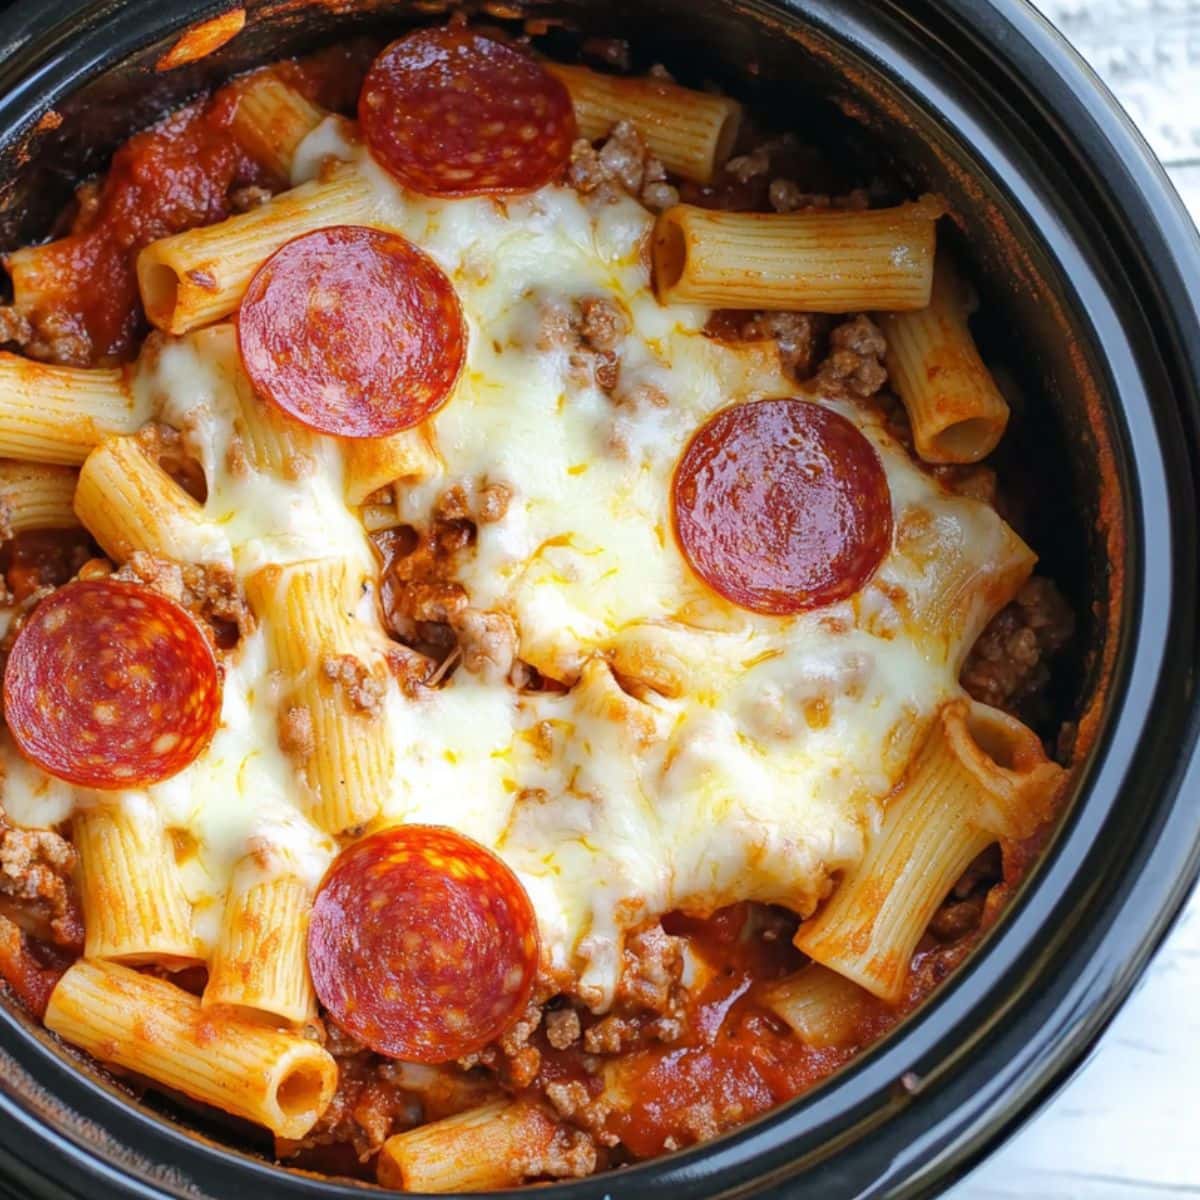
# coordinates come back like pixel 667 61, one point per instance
pixel 1128 1126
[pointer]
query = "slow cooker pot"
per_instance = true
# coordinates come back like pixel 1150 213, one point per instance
pixel 1083 249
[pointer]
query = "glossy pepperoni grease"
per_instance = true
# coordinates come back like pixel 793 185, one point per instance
pixel 423 944
pixel 450 112
pixel 110 685
pixel 782 506
pixel 352 331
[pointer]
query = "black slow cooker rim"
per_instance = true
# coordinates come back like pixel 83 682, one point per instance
pixel 961 1096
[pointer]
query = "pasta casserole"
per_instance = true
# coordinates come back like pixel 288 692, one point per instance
pixel 518 658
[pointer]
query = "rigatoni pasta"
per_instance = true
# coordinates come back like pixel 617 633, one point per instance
pixel 493 1146
pixel 818 261
pixel 55 414
pixel 134 907
pixel 281 1080
pixel 260 964
pixel 824 1008
pixel 981 776
pixel 373 463
pixel 36 496
pixel 129 503
pixel 958 413
pixel 692 133
pixel 308 612
pixel 271 119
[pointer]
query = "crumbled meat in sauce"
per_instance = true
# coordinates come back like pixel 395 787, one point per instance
pixel 762 177
pixel 1007 667
pixel 786 196
pixel 41 924
pixel 800 337
pixel 209 591
pixel 568 1099
pixel 570 1155
pixel 365 1111
pixel 243 199
pixel 622 165
pixel 562 1028
pixel 15 328
pixel 488 641
pixel 297 739
pixel 83 307
pixel 410 668
pixel 590 330
pixel 652 966
pixel 35 872
pixel 854 366
pixel 364 692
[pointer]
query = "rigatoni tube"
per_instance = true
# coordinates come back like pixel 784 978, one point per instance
pixel 199 276
pixel 36 496
pixel 824 1009
pixel 271 119
pixel 493 1146
pixel 816 261
pixel 274 1078
pixel 957 412
pixel 129 503
pixel 372 463
pixel 54 414
pixel 307 609
pixel 692 133
pixel 134 907
pixel 261 964
pixel 980 776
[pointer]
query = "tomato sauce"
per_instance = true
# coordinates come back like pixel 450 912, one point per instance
pixel 736 1058
pixel 31 968
pixel 38 558
pixel 179 174
pixel 173 176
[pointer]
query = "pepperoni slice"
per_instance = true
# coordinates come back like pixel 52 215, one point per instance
pixel 782 506
pixel 449 112
pixel 352 331
pixel 111 685
pixel 422 943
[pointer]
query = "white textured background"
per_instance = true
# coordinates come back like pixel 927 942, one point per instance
pixel 1128 1126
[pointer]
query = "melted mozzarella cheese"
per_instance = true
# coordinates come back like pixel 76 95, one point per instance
pixel 702 754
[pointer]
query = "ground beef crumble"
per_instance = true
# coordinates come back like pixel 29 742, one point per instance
pixel 410 668
pixel 622 165
pixel 590 329
pixel 365 1111
pixel 243 199
pixel 854 365
pixel 36 866
pixel 571 1154
pixel 563 1027
pixel 800 337
pixel 363 690
pixel 1007 667
pixel 297 738
pixel 209 591
pixel 488 641
pixel 56 338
